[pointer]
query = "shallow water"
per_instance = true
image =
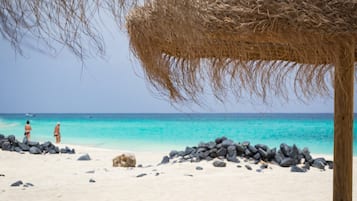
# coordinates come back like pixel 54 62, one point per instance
pixel 163 132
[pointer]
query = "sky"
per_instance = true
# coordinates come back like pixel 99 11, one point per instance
pixel 40 83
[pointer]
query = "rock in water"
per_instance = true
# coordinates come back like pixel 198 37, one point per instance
pixel 165 160
pixel 219 164
pixel 84 157
pixel 18 183
pixel 35 150
pixel 124 160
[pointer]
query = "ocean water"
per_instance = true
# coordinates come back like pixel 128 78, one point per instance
pixel 164 132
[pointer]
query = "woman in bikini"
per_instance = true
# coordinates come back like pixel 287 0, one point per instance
pixel 57 133
pixel 28 130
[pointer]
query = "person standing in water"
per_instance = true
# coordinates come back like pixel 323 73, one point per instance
pixel 57 133
pixel 28 130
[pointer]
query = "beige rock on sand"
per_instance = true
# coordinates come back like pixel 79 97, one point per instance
pixel 62 177
pixel 124 160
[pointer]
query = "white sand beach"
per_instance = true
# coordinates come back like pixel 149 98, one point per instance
pixel 62 177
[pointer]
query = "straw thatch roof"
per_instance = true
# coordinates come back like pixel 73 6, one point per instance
pixel 242 46
pixel 54 24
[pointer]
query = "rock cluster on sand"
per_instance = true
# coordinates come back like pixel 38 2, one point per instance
pixel 223 148
pixel 124 160
pixel 19 183
pixel 10 143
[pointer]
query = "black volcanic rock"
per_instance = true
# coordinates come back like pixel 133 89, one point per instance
pixel 84 157
pixel 219 164
pixel 295 168
pixel 17 183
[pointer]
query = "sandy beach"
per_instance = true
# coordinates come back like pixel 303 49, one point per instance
pixel 62 177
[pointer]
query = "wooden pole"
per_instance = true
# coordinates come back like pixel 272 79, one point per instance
pixel 343 126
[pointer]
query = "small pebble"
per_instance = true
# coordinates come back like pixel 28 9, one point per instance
pixel 264 166
pixel 258 170
pixel 141 175
pixel 29 184
pixel 140 166
pixel 239 166
pixel 248 167
pixel 17 183
pixel 157 174
pixel 2 175
pixel 90 172
pixel 199 168
pixel 91 181
pixel 188 175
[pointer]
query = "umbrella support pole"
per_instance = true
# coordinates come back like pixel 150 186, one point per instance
pixel 343 124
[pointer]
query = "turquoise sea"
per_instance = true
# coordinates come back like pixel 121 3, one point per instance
pixel 164 132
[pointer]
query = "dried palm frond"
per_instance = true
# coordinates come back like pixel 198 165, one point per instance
pixel 241 46
pixel 71 23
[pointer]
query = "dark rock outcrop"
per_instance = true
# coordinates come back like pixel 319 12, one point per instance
pixel 226 149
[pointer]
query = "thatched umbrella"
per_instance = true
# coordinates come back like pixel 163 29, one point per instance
pixel 255 47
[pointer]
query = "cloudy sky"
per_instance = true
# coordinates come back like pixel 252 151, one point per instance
pixel 40 83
